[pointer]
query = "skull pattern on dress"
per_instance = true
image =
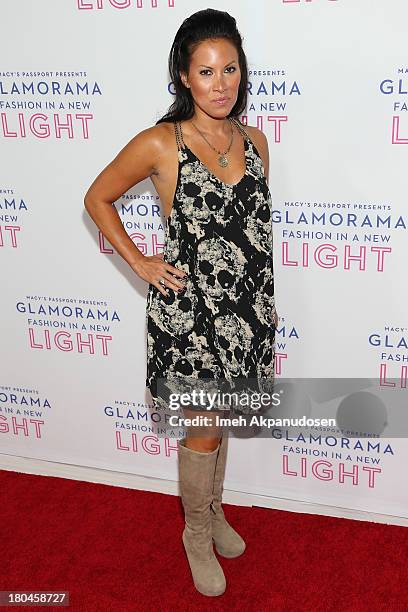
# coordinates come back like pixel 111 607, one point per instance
pixel 222 325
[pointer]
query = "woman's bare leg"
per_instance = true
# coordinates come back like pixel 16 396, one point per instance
pixel 203 438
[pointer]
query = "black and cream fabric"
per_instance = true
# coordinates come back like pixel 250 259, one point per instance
pixel 222 324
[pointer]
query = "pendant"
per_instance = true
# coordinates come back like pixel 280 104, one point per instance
pixel 223 161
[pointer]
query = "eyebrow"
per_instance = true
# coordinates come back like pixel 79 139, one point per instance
pixel 204 66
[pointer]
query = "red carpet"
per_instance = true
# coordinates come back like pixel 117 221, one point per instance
pixel 118 549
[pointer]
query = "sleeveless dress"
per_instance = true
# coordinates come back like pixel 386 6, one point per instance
pixel 222 325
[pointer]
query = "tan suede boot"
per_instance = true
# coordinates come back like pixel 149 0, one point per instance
pixel 227 541
pixel 196 474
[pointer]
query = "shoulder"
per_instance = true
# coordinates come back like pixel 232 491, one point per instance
pixel 154 144
pixel 156 136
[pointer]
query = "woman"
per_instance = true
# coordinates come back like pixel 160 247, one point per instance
pixel 210 306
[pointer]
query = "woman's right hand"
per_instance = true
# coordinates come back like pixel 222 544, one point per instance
pixel 153 268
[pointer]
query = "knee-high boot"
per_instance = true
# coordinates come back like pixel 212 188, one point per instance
pixel 227 541
pixel 196 476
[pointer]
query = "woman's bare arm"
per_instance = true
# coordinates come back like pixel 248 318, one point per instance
pixel 134 163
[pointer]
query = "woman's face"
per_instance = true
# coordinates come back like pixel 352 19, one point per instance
pixel 214 77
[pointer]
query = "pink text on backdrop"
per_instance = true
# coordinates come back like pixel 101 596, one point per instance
pixel 298 1
pixel 63 342
pixel 150 444
pixel 403 376
pixel 23 426
pixel 323 473
pixel 38 126
pixel 396 138
pixel 155 246
pixel 123 4
pixel 279 360
pixel 275 119
pixel 10 238
pixel 323 259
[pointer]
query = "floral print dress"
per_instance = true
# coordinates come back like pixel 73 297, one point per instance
pixel 222 325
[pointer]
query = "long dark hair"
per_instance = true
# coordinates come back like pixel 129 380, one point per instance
pixel 205 24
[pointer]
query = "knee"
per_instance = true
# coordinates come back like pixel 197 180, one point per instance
pixel 202 445
pixel 210 444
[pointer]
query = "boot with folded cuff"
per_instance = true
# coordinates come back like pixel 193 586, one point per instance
pixel 196 478
pixel 227 541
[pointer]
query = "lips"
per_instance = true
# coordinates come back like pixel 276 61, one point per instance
pixel 219 100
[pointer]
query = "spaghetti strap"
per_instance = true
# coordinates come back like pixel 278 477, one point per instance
pixel 179 135
pixel 238 125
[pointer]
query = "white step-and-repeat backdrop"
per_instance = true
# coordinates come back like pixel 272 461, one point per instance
pixel 328 86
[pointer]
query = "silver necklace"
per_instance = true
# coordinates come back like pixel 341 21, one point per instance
pixel 222 159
